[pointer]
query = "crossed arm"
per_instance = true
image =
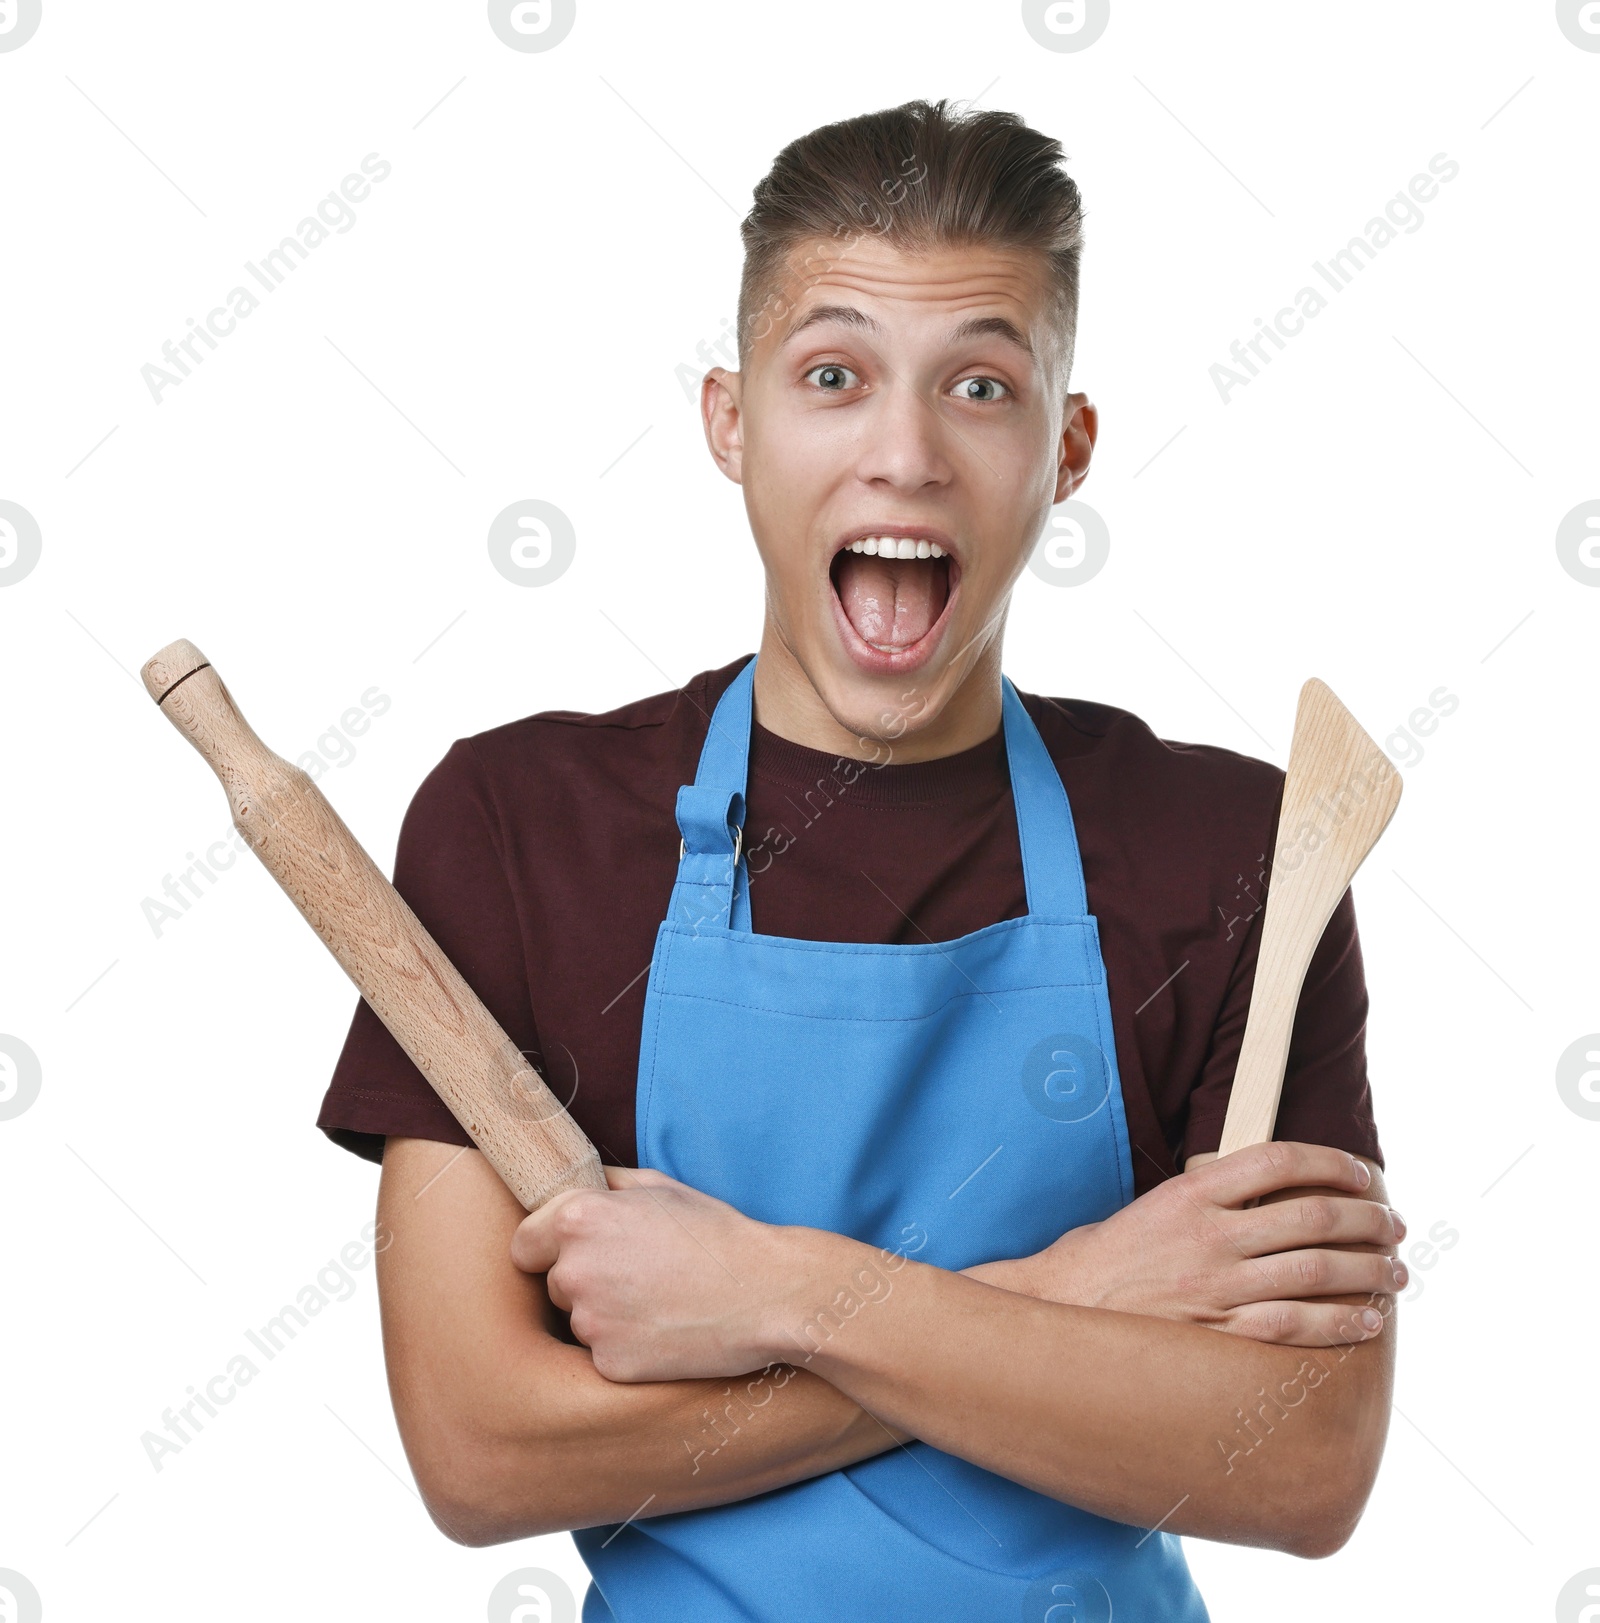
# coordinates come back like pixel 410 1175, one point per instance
pixel 723 1357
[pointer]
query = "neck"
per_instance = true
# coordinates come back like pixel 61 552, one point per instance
pixel 964 705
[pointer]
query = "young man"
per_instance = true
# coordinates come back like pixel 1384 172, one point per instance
pixel 920 1001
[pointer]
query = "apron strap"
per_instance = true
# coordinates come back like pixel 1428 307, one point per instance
pixel 711 822
pixel 1051 867
pixel 713 885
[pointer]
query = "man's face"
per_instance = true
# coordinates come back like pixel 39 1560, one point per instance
pixel 901 431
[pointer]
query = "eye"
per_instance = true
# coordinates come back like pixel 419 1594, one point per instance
pixel 967 385
pixel 831 377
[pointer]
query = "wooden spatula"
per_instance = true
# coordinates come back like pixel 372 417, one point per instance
pixel 1338 796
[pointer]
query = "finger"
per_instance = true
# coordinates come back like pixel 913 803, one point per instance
pixel 1310 1324
pixel 537 1242
pixel 556 1292
pixel 1312 1221
pixel 1261 1169
pixel 1305 1274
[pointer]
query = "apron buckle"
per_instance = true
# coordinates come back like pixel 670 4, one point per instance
pixel 738 845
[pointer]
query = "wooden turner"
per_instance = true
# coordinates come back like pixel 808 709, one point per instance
pixel 1338 796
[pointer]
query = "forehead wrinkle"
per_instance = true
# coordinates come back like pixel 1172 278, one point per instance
pixel 847 315
pixel 951 278
pixel 919 282
pixel 961 276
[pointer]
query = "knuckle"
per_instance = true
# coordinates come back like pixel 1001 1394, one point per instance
pixel 575 1215
pixel 1277 1158
pixel 1319 1214
pixel 576 1269
pixel 1311 1270
pixel 1274 1321
pixel 613 1362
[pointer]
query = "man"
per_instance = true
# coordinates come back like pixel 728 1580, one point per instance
pixel 919 1001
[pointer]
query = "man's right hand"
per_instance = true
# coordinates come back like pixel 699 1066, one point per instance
pixel 1198 1249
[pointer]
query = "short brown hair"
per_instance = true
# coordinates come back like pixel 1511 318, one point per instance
pixel 919 176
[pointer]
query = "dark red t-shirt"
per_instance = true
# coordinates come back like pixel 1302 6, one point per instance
pixel 541 855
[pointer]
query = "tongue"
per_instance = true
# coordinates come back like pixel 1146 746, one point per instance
pixel 891 601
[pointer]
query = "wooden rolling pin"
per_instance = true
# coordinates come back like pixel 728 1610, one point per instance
pixel 523 1130
pixel 1339 793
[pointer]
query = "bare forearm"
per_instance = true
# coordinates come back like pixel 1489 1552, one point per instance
pixel 512 1432
pixel 1141 1420
pixel 572 1449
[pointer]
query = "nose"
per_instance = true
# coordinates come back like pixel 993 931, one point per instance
pixel 904 441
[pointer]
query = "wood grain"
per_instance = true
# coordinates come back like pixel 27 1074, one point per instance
pixel 1339 793
pixel 500 1100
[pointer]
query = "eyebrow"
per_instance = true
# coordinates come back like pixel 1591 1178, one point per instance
pixel 846 315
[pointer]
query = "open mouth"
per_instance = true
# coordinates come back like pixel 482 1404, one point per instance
pixel 893 594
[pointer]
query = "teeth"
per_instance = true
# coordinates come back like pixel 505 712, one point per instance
pixel 889 547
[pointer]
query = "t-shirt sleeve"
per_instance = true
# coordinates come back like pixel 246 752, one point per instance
pixel 1326 1098
pixel 449 869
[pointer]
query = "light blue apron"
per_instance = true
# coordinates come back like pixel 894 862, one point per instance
pixel 953 1101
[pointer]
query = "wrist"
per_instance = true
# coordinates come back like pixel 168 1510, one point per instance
pixel 1076 1281
pixel 825 1280
pixel 1016 1274
pixel 1063 1272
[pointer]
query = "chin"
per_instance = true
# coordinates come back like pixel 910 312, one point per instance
pixel 891 711
pixel 888 626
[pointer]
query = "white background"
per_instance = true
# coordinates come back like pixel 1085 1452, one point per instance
pixel 1378 508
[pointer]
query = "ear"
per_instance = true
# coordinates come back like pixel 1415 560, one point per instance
pixel 1080 427
pixel 721 411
